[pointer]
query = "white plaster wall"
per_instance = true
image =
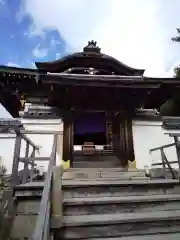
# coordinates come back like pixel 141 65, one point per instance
pixel 6 152
pixel 44 141
pixel 147 135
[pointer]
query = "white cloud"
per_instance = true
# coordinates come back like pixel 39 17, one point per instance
pixel 13 64
pixel 137 32
pixel 58 55
pixel 54 42
pixel 34 31
pixel 39 52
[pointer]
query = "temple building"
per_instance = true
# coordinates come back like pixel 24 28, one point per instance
pixel 100 103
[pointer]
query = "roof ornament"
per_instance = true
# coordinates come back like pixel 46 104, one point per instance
pixel 92 47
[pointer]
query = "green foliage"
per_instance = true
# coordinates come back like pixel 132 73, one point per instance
pixel 169 108
pixel 177 38
pixel 172 106
pixel 177 72
pixel 3 180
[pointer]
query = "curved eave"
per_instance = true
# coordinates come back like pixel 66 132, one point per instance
pixel 166 81
pixel 17 70
pixel 163 79
pixel 78 59
pixel 169 87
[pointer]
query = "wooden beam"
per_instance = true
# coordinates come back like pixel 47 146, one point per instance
pixel 17 150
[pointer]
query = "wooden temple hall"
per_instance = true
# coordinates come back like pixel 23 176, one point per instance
pixel 95 95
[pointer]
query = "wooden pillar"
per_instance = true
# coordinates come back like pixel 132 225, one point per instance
pixel 123 138
pixel 116 136
pixel 122 142
pixel 68 138
pixel 129 139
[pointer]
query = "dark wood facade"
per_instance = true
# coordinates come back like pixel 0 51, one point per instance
pixel 88 80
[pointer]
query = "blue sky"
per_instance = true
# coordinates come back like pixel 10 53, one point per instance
pixel 17 47
pixel 137 32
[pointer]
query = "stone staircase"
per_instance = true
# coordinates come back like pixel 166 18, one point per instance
pixel 97 160
pixel 102 203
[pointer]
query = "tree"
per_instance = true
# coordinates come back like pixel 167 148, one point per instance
pixel 172 106
pixel 177 40
pixel 177 72
pixel 3 174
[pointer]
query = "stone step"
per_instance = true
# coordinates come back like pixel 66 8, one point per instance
pixel 120 225
pixel 96 164
pixel 23 226
pixel 29 190
pixel 30 185
pixel 106 188
pixel 118 169
pixel 102 174
pixel 101 153
pixel 85 206
pixel 94 158
pixel 109 179
pixel 172 236
pixel 102 170
pixel 28 206
pixel 99 205
pixel 159 173
pixel 78 183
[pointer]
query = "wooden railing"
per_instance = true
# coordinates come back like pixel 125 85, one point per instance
pixel 51 196
pixel 28 160
pixel 165 163
pixel 7 213
pixel 8 201
pixel 10 130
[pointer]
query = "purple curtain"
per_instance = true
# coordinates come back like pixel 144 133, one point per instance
pixel 90 122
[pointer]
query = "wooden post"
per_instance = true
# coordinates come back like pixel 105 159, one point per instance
pixel 32 166
pixel 123 138
pixel 176 140
pixel 123 142
pixel 115 137
pixel 129 139
pixel 17 150
pixel 26 169
pixel 163 163
pixel 57 197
